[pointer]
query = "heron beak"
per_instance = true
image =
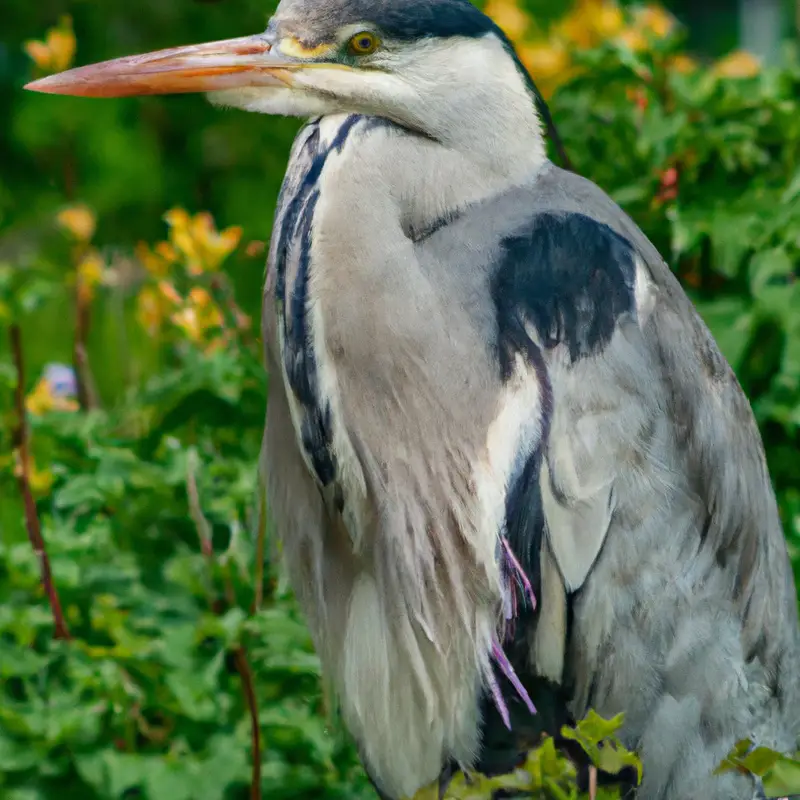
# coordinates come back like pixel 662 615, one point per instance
pixel 229 64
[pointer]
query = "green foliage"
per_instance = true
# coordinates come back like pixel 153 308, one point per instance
pixel 780 774
pixel 596 736
pixel 146 696
pixel 146 699
pixel 547 775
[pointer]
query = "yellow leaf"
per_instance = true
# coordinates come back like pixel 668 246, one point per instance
pixel 62 45
pixel 549 64
pixel 182 239
pixel 39 52
pixel 90 271
pixel 255 249
pixel 573 29
pixel 682 63
pixel 56 52
pixel 78 220
pixel 196 242
pixel 155 265
pixel 177 218
pixel 150 310
pixel 42 399
pixel 738 64
pixel 167 252
pixel 510 18
pixel 200 297
pixel 608 20
pixel 589 22
pixel 170 293
pixel 654 20
pixel 545 60
pixel 40 481
pixel 221 245
pixel 633 38
pixel 429 792
pixel 187 320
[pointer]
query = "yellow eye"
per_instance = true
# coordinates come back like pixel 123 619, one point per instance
pixel 364 43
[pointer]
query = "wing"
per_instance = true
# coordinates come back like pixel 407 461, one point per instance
pixel 666 589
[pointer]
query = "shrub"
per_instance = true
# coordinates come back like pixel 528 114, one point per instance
pixel 171 639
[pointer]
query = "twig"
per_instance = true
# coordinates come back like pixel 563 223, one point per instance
pixel 203 527
pixel 248 687
pixel 23 480
pixel 592 782
pixel 201 523
pixel 222 287
pixel 87 391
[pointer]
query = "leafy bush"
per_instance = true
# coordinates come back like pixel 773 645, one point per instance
pixel 173 639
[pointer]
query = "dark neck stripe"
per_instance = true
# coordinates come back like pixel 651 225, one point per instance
pixel 295 238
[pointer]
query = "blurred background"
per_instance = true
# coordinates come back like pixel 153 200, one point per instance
pixel 132 238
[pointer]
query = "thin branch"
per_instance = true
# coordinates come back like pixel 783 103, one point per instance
pixel 220 285
pixel 203 527
pixel 592 782
pixel 201 523
pixel 248 687
pixel 23 471
pixel 87 391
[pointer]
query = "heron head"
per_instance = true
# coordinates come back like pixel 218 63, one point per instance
pixel 431 65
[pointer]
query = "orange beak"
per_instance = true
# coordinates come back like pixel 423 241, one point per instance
pixel 215 66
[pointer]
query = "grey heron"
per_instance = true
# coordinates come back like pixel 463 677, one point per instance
pixel 506 461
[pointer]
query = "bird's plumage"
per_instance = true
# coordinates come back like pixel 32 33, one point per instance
pixel 316 23
pixel 518 363
pixel 504 457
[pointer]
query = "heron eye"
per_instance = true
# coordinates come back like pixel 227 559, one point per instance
pixel 362 44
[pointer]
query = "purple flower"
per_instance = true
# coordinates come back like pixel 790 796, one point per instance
pixel 61 379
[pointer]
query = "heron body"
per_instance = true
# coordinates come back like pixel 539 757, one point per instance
pixel 506 462
pixel 564 414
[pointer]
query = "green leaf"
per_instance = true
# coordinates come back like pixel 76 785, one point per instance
pixel 772 283
pixel 82 490
pixel 784 778
pixel 16 755
pixel 731 322
pixel 111 773
pixel 33 294
pixel 793 189
pixel 596 736
pixel 780 774
pixel 168 780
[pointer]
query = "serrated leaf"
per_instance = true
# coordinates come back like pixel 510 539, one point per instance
pixel 82 490
pixel 596 736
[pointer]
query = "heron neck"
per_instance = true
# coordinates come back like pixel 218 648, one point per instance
pixel 482 107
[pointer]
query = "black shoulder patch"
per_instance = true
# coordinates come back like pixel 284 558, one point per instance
pixel 570 277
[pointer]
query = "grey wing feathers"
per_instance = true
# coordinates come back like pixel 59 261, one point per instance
pixel 658 506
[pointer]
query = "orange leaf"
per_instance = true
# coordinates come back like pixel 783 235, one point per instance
pixel 738 64
pixel 79 220
pixel 56 52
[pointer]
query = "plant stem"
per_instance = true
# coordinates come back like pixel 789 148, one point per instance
pixel 87 392
pixel 248 687
pixel 23 480
pixel 203 527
